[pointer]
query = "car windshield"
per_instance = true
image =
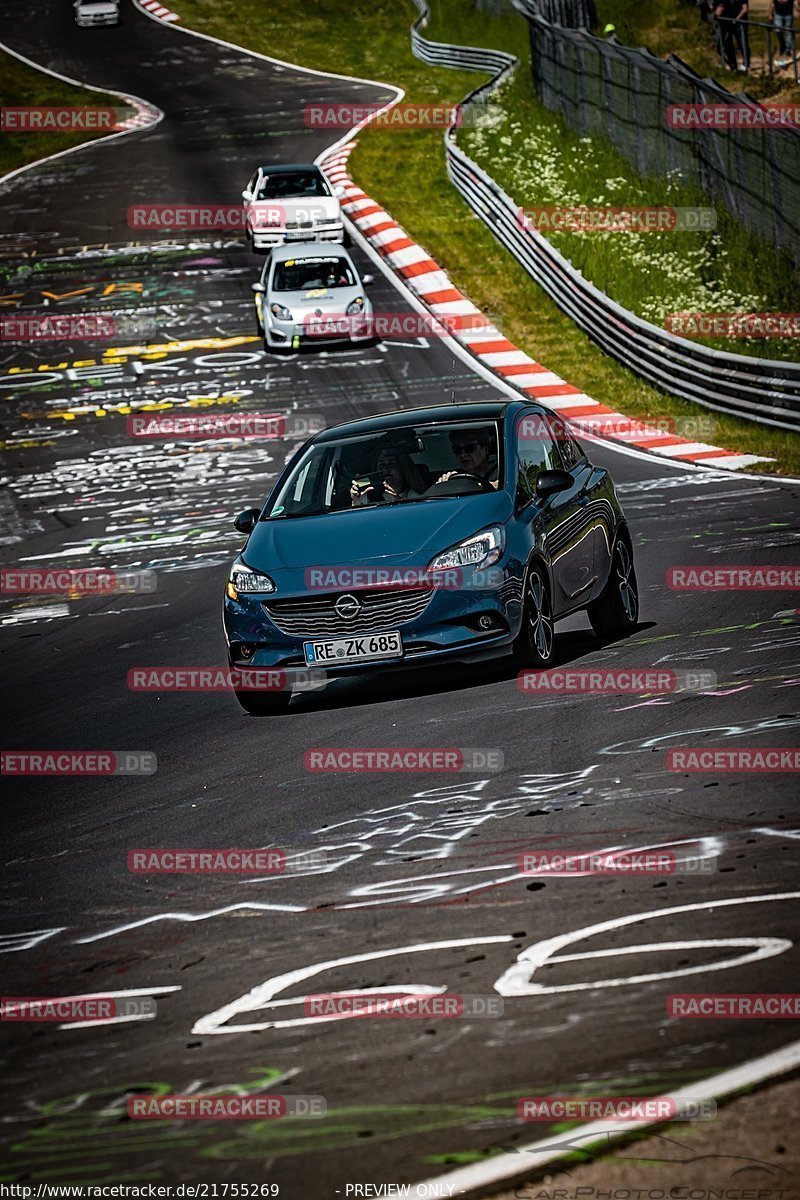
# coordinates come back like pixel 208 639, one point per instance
pixel 298 274
pixel 293 183
pixel 402 465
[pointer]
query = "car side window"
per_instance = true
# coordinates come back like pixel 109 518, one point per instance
pixel 536 451
pixel 571 451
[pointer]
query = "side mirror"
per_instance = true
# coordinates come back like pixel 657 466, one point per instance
pixel 247 195
pixel 258 286
pixel 550 482
pixel 339 191
pixel 246 521
pixel 367 280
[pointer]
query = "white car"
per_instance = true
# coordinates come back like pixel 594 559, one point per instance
pixel 312 295
pixel 96 12
pixel 291 203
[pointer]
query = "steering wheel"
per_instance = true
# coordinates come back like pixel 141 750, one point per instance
pixel 454 486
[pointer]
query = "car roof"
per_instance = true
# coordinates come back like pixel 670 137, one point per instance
pixel 286 168
pixel 308 250
pixel 434 414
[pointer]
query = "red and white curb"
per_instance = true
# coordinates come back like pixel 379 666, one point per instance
pixel 145 116
pixel 158 10
pixel 490 346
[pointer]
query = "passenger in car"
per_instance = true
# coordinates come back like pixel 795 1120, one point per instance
pixel 401 478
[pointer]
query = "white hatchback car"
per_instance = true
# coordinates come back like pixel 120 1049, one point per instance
pixel 291 203
pixel 312 295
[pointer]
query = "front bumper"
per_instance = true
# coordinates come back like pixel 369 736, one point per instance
pixel 282 333
pixel 461 626
pixel 264 239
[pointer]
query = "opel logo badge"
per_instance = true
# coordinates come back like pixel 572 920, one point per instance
pixel 347 607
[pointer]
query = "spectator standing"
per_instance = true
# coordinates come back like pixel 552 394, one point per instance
pixel 781 14
pixel 741 33
pixel 725 14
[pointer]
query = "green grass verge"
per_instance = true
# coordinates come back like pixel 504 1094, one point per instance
pixel 538 160
pixel 21 85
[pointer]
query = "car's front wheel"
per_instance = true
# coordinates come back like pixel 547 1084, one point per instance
pixel 616 611
pixel 261 704
pixel 535 644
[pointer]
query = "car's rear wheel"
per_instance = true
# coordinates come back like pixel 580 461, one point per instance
pixel 263 704
pixel 616 611
pixel 535 644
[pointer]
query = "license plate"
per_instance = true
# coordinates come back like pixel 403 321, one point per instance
pixel 298 236
pixel 354 649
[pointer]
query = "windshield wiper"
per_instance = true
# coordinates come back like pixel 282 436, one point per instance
pixel 307 512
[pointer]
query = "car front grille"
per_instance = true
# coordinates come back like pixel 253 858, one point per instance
pixel 317 617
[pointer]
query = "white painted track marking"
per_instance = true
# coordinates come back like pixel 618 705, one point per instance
pixel 517 980
pixel 505 1167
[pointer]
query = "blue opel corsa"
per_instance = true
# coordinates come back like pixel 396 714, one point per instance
pixel 450 533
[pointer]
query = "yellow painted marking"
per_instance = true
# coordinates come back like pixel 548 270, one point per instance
pixel 64 295
pixel 114 356
pixel 122 287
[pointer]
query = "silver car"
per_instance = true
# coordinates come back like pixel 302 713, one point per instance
pixel 311 294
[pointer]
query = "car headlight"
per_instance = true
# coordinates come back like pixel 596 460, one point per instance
pixel 328 221
pixel 282 313
pixel 481 550
pixel 243 580
pixel 355 308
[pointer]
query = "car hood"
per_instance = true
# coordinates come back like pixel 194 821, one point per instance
pixel 311 300
pixel 303 208
pixel 389 535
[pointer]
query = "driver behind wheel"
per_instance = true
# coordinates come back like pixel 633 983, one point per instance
pixel 475 451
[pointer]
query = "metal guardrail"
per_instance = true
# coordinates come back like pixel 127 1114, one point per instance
pixel 762 390
pixel 465 58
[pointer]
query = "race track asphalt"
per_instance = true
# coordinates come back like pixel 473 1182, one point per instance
pixel 420 883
